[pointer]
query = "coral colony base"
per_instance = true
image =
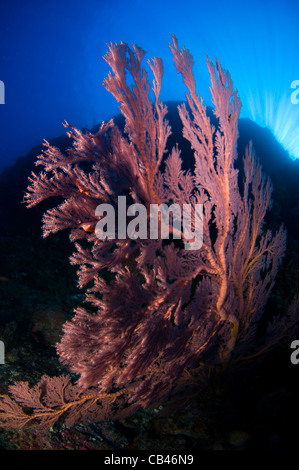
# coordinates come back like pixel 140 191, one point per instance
pixel 160 318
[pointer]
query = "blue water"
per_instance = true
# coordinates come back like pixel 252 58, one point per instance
pixel 51 64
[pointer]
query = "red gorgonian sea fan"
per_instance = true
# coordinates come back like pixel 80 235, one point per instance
pixel 160 314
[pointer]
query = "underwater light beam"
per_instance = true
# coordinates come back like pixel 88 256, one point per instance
pixel 280 113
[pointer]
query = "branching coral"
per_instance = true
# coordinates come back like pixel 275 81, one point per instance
pixel 160 315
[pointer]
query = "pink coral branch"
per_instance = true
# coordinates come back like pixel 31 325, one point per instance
pixel 158 314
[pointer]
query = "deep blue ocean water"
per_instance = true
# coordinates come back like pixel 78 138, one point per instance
pixel 52 67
